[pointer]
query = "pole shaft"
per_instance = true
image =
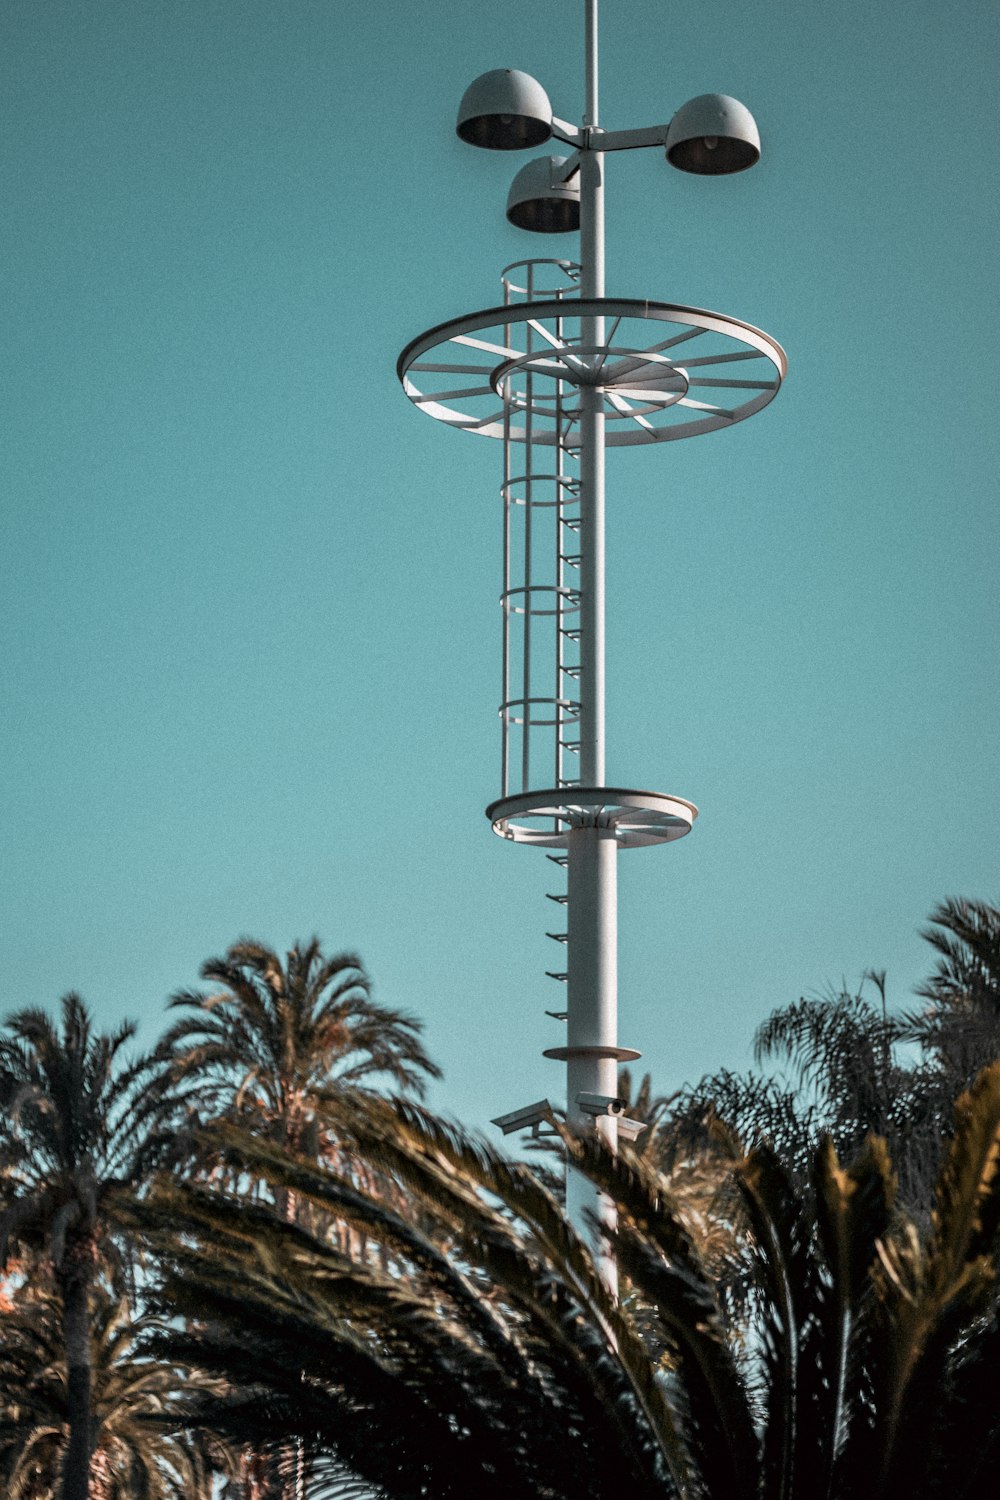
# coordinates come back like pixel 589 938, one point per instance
pixel 593 941
pixel 592 1006
pixel 592 728
pixel 592 935
pixel 592 110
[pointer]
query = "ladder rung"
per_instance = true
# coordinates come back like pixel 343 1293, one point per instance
pixel 558 1015
pixel 558 937
pixel 562 978
pixel 559 900
pixel 571 635
pixel 573 746
pixel 571 559
pixel 558 859
pixel 573 672
pixel 567 786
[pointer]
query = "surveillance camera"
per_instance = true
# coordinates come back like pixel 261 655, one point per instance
pixel 529 1117
pixel 601 1104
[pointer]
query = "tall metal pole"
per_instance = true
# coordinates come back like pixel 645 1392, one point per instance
pixel 592 946
pixel 646 397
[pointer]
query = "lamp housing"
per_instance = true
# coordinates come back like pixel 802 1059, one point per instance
pixel 505 110
pixel 541 200
pixel 712 135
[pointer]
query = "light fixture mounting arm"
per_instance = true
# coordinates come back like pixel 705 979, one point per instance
pixel 569 168
pixel 570 135
pixel 609 140
pixel 632 140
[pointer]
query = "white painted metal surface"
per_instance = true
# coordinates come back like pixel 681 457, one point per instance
pixel 635 819
pixel 712 135
pixel 559 373
pixel 544 198
pixel 663 371
pixel 505 110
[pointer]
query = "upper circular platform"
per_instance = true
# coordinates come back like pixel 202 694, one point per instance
pixel 637 819
pixel 663 370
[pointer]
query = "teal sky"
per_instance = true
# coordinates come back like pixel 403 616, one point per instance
pixel 249 635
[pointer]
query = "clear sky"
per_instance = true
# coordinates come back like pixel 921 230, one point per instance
pixel 248 595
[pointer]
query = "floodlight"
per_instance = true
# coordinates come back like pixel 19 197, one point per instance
pixel 541 200
pixel 711 135
pixel 505 110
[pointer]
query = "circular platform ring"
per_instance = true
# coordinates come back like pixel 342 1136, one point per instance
pixel 662 384
pixel 546 818
pixel 565 711
pixel 619 1054
pixel 569 287
pixel 665 371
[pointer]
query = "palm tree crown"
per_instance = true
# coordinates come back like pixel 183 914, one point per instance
pixel 270 1036
pixel 960 1028
pixel 260 1047
pixel 80 1127
pixel 850 1076
pixel 78 1122
pixel 141 1447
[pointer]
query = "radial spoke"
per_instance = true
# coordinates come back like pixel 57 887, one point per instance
pixel 741 385
pixel 433 369
pixel 483 421
pixel 666 378
pixel 723 359
pixel 609 339
pixel 643 393
pixel 564 349
pixel 554 367
pixel 715 411
pixel 635 370
pixel 626 366
pixel 456 395
pixel 627 411
pixel 550 338
pixel 678 338
pixel 501 349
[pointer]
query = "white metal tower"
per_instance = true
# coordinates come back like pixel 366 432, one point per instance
pixel 558 373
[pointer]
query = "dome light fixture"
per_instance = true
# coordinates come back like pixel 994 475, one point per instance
pixel 541 199
pixel 712 135
pixel 505 110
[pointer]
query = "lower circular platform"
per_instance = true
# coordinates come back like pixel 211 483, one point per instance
pixel 619 1054
pixel 637 819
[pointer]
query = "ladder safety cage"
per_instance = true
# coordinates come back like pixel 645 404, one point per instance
pixel 540 595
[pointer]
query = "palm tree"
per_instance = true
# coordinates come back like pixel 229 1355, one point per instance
pixel 960 1028
pixel 269 1036
pixel 848 1074
pixel 496 1363
pixel 846 1081
pixel 79 1128
pixel 139 1444
pixel 262 1044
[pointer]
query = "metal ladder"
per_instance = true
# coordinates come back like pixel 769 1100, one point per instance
pixel 540 597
